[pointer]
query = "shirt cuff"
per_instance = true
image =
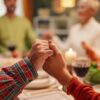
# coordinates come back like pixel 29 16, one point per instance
pixel 28 69
pixel 31 67
pixel 74 86
pixel 22 71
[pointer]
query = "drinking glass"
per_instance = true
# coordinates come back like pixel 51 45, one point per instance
pixel 81 67
pixel 11 47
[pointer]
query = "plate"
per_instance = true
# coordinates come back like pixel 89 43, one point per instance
pixel 42 74
pixel 97 88
pixel 41 83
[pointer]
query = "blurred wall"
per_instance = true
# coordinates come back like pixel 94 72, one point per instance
pixel 28 9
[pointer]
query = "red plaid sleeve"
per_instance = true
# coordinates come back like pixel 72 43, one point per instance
pixel 14 78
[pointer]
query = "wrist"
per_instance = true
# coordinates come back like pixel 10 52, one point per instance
pixel 33 62
pixel 31 66
pixel 66 78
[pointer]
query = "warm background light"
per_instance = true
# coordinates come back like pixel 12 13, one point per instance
pixel 68 3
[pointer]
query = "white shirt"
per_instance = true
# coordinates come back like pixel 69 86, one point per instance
pixel 59 43
pixel 89 33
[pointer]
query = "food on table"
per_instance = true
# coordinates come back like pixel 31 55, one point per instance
pixel 43 81
pixel 93 76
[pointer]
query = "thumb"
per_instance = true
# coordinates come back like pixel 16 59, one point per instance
pixel 54 47
pixel 48 53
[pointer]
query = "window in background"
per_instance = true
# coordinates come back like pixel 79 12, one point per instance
pixel 2 8
pixel 19 10
pixel 68 3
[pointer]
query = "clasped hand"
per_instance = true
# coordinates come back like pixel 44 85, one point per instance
pixel 45 54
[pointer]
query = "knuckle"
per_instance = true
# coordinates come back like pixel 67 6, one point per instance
pixel 59 53
pixel 37 44
pixel 43 52
pixel 38 47
pixel 53 45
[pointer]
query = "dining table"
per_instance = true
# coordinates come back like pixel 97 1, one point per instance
pixel 51 92
pixel 45 94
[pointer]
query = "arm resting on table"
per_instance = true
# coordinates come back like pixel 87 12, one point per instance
pixel 82 92
pixel 14 78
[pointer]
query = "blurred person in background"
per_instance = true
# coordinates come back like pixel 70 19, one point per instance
pixel 87 30
pixel 15 30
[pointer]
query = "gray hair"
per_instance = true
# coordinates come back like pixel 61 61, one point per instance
pixel 94 4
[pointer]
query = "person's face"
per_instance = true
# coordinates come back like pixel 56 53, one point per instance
pixel 10 5
pixel 84 11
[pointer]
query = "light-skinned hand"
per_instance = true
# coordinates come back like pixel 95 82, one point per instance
pixel 90 52
pixel 56 67
pixel 39 52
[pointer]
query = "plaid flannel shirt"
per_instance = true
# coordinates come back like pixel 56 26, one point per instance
pixel 14 78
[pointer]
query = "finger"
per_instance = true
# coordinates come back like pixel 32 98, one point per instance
pixel 43 41
pixel 48 53
pixel 42 44
pixel 54 47
pixel 38 42
pixel 43 47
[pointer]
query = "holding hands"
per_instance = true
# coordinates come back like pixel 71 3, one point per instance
pixel 39 52
pixel 56 67
pixel 45 53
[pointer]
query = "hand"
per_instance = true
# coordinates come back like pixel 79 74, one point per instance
pixel 56 67
pixel 15 54
pixel 90 52
pixel 86 46
pixel 39 53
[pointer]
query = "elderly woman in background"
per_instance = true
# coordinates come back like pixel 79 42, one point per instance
pixel 87 30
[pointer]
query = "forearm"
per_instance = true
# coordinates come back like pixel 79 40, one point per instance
pixel 15 78
pixel 75 88
pixel 81 92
